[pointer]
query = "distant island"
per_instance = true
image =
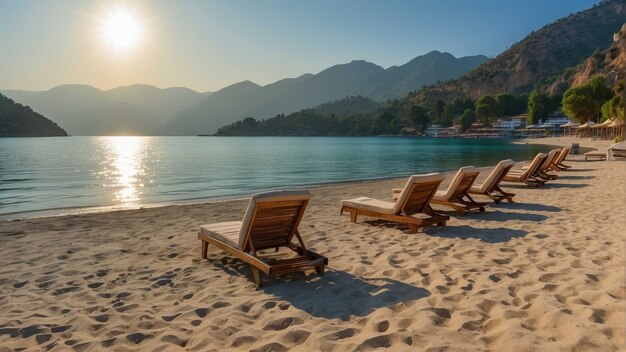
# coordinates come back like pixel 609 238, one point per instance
pixel 17 120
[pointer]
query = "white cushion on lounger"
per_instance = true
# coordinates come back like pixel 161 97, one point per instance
pixel 456 181
pixel 369 204
pixel 493 176
pixel 227 232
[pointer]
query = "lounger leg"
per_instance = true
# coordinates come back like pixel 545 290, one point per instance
pixel 320 270
pixel 413 228
pixel 257 276
pixel 204 247
pixel 353 215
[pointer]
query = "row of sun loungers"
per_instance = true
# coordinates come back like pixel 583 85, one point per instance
pixel 272 219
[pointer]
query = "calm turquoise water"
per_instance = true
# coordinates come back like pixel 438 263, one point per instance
pixel 60 173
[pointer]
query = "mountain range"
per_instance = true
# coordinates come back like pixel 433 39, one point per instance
pixel 357 78
pixel 538 59
pixel 129 110
pixel 147 110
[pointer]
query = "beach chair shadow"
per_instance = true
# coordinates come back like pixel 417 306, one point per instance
pixel 493 235
pixel 574 177
pixel 531 207
pixel 564 185
pixel 505 216
pixel 340 295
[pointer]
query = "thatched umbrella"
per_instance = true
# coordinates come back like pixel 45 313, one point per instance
pixel 569 127
pixel 600 129
pixel 616 128
pixel 584 130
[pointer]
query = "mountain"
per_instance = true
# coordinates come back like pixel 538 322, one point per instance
pixel 164 103
pixel 17 120
pixel 358 77
pixel 542 54
pixel 130 110
pixel 610 63
pixel 398 81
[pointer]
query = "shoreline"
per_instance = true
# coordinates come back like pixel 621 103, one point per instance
pixel 79 210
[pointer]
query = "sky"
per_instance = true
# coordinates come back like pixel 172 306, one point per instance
pixel 207 45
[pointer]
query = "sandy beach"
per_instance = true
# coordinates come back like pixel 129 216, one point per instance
pixel 544 273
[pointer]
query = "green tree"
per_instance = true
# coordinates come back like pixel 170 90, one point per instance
pixel 438 110
pixel 539 107
pixel 584 103
pixel 612 108
pixel 467 119
pixel 507 104
pixel 419 118
pixel 486 109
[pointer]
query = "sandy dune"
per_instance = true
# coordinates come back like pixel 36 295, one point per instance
pixel 545 273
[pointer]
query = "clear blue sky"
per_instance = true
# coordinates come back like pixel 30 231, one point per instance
pixel 206 45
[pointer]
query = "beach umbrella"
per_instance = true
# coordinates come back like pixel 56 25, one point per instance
pixel 584 130
pixel 616 128
pixel 601 128
pixel 569 126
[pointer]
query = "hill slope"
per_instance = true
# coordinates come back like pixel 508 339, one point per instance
pixel 610 63
pixel 349 116
pixel 542 54
pixel 17 120
pixel 289 95
pixel 85 110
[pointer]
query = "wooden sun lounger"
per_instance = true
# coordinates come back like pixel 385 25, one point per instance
pixel 491 186
pixel 412 208
pixel 546 166
pixel 456 196
pixel 528 176
pixel 558 162
pixel 271 222
pixel 616 150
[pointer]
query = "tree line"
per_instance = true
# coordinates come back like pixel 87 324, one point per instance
pixel 359 116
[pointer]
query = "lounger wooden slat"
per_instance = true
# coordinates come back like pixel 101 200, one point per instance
pixel 528 176
pixel 271 221
pixel 457 196
pixel 411 208
pixel 491 186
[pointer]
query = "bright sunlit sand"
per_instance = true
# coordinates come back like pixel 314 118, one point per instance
pixel 544 273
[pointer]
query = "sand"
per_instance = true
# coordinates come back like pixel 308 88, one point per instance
pixel 544 273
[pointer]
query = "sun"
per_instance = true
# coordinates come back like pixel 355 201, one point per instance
pixel 122 29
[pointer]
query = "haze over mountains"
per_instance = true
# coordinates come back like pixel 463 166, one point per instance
pixel 129 110
pixel 247 99
pixel 146 110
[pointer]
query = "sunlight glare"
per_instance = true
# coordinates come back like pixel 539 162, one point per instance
pixel 127 160
pixel 122 29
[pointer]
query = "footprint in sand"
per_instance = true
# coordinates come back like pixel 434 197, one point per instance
pixel 283 323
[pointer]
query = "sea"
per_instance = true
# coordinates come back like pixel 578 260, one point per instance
pixel 60 175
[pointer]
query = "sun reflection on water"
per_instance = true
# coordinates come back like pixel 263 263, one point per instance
pixel 123 167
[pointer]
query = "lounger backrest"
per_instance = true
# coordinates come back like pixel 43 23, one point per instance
pixel 550 158
pixel 462 181
pixel 417 193
pixel 272 219
pixel 562 155
pixel 535 164
pixel 496 175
